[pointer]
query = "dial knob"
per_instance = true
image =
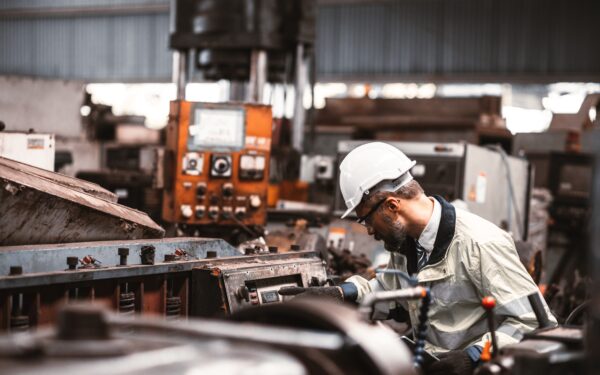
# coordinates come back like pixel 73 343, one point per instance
pixel 228 190
pixel 186 211
pixel 255 201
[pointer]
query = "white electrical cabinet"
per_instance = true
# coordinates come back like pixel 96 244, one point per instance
pixel 29 148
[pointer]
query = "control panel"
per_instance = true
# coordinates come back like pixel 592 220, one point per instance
pixel 217 163
pixel 226 288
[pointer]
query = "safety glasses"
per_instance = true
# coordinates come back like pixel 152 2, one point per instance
pixel 363 219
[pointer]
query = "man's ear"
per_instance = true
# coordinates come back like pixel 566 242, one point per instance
pixel 393 204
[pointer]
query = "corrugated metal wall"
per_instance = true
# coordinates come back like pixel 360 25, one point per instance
pixel 432 40
pixel 129 48
pixel 94 47
pixel 541 40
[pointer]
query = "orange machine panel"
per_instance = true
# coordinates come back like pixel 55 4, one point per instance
pixel 217 163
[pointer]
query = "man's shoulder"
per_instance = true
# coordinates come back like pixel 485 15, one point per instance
pixel 474 228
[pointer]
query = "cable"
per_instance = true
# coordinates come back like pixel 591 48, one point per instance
pixel 245 227
pixel 575 313
pixel 421 333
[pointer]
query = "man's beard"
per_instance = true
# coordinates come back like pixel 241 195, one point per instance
pixel 394 240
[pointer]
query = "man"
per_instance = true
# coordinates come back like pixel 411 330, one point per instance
pixel 459 256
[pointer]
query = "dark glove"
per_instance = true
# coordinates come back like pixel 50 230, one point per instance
pixel 455 362
pixel 334 292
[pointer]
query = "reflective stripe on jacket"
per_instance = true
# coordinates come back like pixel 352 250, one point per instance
pixel 472 258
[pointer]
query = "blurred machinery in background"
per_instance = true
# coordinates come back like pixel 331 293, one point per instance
pixel 226 37
pixel 564 173
pixel 245 41
pixel 131 158
pixel 134 173
pixel 476 120
pixel 573 347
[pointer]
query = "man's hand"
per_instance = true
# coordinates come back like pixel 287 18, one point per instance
pixel 334 292
pixel 455 362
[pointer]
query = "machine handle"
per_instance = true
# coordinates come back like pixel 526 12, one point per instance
pixel 538 309
pixel 489 303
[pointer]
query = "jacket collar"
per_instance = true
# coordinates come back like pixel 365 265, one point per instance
pixel 442 240
pixel 445 231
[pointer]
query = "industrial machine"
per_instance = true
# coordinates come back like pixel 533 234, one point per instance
pixel 492 184
pixel 547 350
pixel 228 287
pixel 565 174
pixel 218 155
pixel 176 277
pixel 476 120
pixel 217 168
pixel 307 338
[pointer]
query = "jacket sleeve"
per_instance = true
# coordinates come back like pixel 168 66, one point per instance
pixel 379 283
pixel 499 273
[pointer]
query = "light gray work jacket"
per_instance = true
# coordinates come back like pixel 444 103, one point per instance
pixel 472 258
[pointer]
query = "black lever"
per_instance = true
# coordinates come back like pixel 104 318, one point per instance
pixel 538 309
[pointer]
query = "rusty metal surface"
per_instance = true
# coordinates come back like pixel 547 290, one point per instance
pixel 67 181
pixel 49 258
pixel 116 272
pixel 40 280
pixel 36 209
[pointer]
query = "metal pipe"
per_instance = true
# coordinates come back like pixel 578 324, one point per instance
pixel 299 112
pixel 180 70
pixel 253 333
pixel 311 112
pixel 258 75
pixel 366 307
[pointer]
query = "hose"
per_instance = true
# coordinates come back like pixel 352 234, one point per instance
pixel 575 313
pixel 421 333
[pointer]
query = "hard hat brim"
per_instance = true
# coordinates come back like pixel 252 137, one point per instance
pixel 390 177
pixel 348 212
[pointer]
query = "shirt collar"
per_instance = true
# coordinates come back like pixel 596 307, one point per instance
pixel 427 238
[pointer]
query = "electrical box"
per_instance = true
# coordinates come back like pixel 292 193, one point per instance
pixel 217 164
pixel 29 148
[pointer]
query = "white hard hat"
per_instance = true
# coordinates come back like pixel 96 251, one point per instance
pixel 371 168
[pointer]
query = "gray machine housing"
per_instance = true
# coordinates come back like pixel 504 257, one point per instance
pixel 480 177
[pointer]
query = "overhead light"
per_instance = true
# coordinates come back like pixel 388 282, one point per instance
pixel 85 110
